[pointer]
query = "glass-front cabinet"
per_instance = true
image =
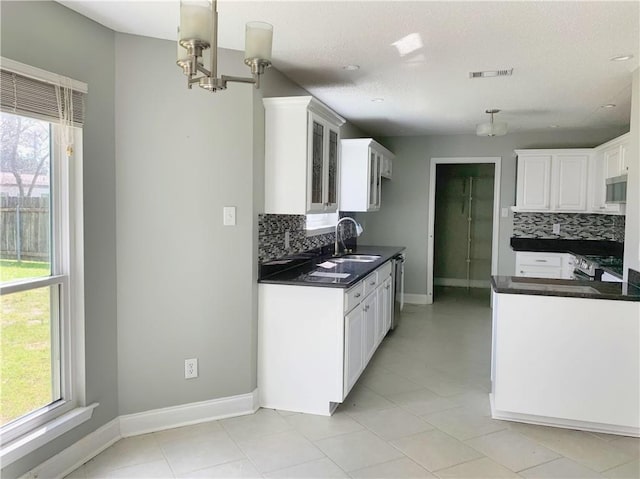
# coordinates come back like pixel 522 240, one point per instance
pixel 302 156
pixel 323 166
pixel 361 172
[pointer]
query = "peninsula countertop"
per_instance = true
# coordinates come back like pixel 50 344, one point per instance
pixel 565 287
pixel 300 272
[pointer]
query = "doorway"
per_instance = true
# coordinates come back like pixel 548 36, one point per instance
pixel 464 200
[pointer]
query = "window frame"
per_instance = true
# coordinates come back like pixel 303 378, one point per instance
pixel 24 434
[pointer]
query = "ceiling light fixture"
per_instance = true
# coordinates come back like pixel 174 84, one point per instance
pixel 621 58
pixel 377 100
pixel 198 32
pixel 608 105
pixel 492 128
pixel 351 68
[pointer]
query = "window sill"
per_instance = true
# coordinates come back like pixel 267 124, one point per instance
pixel 40 436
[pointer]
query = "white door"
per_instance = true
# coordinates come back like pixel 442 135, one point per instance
pixel 370 307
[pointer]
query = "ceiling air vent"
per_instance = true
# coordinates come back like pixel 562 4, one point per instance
pixel 494 73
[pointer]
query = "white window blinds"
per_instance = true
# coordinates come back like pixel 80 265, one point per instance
pixel 28 96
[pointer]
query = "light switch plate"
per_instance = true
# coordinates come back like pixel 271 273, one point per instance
pixel 229 215
pixel 556 228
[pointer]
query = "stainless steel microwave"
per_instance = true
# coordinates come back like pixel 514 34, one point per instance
pixel 617 189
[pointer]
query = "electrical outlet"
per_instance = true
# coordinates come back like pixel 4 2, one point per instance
pixel 287 240
pixel 191 368
pixel 556 228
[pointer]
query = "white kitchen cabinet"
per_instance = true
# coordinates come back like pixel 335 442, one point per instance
pixel 609 160
pixel 354 334
pixel 533 182
pixel 531 264
pixel 363 163
pixel 370 320
pixel 553 180
pixel 385 307
pixel 302 156
pixel 314 342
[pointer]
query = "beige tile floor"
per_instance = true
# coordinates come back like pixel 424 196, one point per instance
pixel 420 410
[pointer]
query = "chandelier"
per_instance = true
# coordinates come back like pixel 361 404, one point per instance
pixel 198 32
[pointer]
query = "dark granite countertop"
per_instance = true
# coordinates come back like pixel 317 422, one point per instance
pixel 299 274
pixel 565 287
pixel 579 247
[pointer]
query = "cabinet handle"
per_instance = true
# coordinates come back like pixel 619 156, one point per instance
pixel 372 283
pixel 541 261
pixel 387 287
pixel 521 272
pixel 357 295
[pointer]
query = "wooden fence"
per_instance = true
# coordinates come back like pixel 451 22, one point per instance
pixel 24 228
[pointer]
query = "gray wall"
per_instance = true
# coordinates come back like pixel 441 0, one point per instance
pixel 402 219
pixel 50 36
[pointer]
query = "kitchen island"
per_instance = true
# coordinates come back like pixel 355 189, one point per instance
pixel 320 321
pixel 566 353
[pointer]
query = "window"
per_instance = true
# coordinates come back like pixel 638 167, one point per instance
pixel 320 223
pixel 41 279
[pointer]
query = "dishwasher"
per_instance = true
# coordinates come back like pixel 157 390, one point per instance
pixel 398 288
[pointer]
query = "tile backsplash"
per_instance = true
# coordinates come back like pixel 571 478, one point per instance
pixel 572 226
pixel 272 229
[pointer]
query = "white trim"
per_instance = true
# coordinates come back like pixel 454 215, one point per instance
pixel 563 423
pixel 416 298
pixel 129 425
pixel 462 283
pixel 187 414
pixel 497 175
pixel 43 75
pixel 78 453
pixel 40 436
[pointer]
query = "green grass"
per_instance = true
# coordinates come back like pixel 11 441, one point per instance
pixel 25 352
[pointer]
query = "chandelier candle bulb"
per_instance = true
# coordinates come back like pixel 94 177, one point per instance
pixel 259 37
pixel 195 21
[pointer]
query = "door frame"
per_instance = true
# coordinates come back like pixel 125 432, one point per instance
pixel 497 175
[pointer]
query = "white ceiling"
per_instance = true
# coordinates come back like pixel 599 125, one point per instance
pixel 559 52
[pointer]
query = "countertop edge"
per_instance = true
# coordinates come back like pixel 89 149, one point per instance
pixel 385 253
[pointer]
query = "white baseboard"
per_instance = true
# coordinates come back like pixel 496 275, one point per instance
pixel 416 298
pixel 462 283
pixel 80 452
pixel 128 425
pixel 563 423
pixel 187 414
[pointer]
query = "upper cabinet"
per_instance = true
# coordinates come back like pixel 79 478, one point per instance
pixel 302 156
pixel 614 156
pixel 553 180
pixel 364 163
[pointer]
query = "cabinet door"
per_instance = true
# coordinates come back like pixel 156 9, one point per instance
pixel 570 182
pixel 534 175
pixel 370 308
pixel 333 171
pixel 316 180
pixel 353 347
pixel 380 316
pixel 624 160
pixel 388 304
pixel 372 188
pixel 612 162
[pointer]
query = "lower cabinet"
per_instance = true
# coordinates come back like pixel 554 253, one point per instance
pixel 353 347
pixel 531 264
pixel 314 342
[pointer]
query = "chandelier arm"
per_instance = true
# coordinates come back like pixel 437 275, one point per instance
pixel 227 78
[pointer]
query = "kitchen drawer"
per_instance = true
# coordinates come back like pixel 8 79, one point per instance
pixel 539 272
pixel 353 296
pixel 370 283
pixel 539 259
pixel 384 271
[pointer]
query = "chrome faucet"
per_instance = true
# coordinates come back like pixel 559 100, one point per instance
pixel 336 250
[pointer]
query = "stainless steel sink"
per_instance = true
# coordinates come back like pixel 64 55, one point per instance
pixel 356 258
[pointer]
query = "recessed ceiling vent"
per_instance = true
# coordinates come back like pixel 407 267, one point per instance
pixel 493 73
